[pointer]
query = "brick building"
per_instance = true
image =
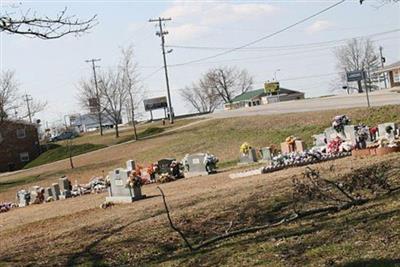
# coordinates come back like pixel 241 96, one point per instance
pixel 19 144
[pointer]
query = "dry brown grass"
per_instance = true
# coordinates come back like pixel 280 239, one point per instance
pixel 76 231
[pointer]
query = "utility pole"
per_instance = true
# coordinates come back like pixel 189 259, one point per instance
pixel 366 87
pixel 383 65
pixel 27 99
pixel 97 91
pixel 161 34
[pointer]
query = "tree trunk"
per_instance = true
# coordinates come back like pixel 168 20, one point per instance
pixel 116 130
pixel 134 124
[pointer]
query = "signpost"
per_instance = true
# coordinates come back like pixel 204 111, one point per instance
pixel 358 76
pixel 271 87
pixel 155 103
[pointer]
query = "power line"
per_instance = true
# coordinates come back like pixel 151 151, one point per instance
pixel 268 56
pixel 152 74
pixel 262 38
pixel 295 46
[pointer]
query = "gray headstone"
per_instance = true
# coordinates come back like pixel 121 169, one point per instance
pixel 119 191
pixel 266 154
pixel 48 193
pixel 331 133
pixel 196 165
pixel 65 187
pixel 130 165
pixel 350 133
pixel 250 157
pixel 23 198
pixel 55 189
pixel 319 140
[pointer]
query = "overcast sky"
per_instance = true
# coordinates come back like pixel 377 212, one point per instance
pixel 50 70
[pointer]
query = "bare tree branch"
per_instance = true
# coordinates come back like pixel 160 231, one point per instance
pixel 44 27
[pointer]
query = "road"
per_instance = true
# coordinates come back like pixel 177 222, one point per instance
pixel 379 98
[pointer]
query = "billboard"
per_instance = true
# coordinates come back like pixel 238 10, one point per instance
pixel 271 87
pixel 155 103
pixel 355 76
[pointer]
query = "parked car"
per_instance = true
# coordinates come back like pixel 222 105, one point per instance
pixel 63 136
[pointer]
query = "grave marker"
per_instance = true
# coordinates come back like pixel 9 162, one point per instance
pixel 119 191
pixel 249 157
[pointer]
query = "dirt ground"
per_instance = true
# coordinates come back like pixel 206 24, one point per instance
pixel 76 231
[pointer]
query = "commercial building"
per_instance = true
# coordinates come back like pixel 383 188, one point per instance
pixel 19 144
pixel 90 122
pixel 261 97
pixel 392 71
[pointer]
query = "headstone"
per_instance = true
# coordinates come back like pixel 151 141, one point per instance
pixel 119 191
pixel 300 145
pixel 199 164
pixel 47 193
pixel 65 187
pixel 250 157
pixel 331 133
pixel 266 154
pixel 382 129
pixel 350 133
pixel 319 140
pixel 286 148
pixel 55 190
pixel 36 195
pixel 130 165
pixel 23 198
pixel 164 165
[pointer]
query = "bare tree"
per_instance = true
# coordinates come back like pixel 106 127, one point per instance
pixel 8 94
pixel 11 101
pixel 114 96
pixel 201 97
pixel 130 82
pixel 14 20
pixel 357 54
pixel 228 82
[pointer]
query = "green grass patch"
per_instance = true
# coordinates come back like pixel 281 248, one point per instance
pixel 61 152
pixel 19 182
pixel 143 134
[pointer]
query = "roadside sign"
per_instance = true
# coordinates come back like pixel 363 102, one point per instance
pixel 355 76
pixel 271 87
pixel 155 103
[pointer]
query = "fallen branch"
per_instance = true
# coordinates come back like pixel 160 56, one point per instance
pixel 171 223
pixel 288 219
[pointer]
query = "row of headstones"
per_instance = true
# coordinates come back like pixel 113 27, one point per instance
pixel 37 194
pixel 119 192
pixel 251 156
pixel 349 133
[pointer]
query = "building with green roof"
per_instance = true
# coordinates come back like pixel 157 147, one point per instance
pixel 260 97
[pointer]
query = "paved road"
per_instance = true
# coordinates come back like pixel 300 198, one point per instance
pixel 379 98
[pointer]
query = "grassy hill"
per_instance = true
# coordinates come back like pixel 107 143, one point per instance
pixel 221 137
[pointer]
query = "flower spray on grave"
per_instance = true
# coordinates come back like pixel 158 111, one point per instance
pixel 245 148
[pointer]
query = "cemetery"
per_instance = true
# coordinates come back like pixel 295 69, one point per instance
pixel 339 140
pixel 342 139
pixel 73 212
